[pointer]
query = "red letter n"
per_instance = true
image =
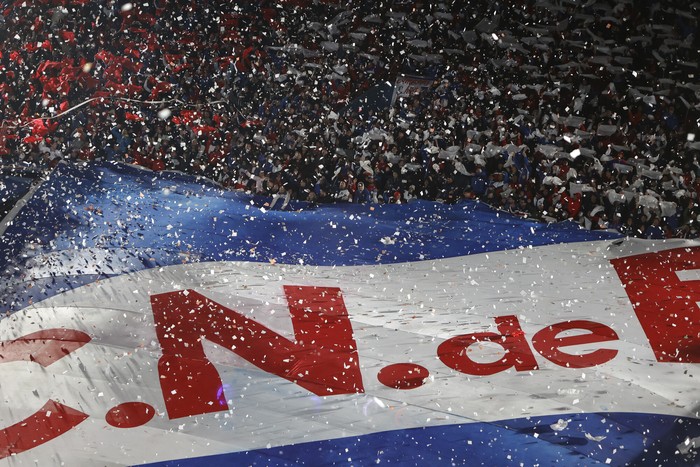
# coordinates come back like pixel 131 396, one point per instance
pixel 322 359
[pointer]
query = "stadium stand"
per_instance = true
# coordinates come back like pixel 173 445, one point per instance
pixel 549 109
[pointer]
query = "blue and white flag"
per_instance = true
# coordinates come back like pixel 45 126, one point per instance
pixel 157 319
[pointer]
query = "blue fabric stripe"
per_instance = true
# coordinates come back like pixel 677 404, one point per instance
pixel 630 439
pixel 171 218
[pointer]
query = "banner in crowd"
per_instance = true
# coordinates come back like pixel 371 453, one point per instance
pixel 406 86
pixel 157 319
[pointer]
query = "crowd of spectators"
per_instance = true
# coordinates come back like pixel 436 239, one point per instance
pixel 550 109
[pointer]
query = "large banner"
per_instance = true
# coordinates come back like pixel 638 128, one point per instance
pixel 156 319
